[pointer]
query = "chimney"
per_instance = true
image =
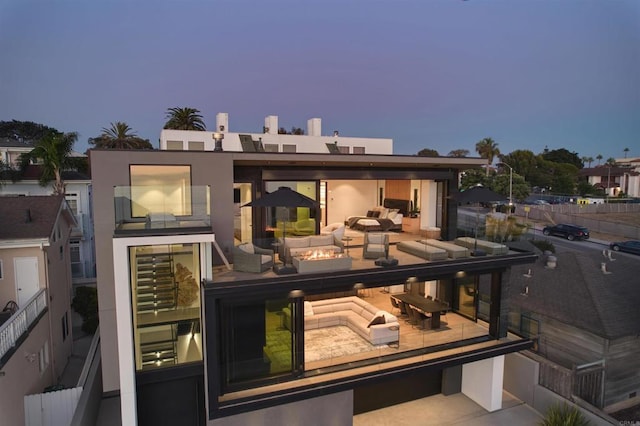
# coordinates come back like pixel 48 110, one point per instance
pixel 27 216
pixel 271 125
pixel 314 127
pixel 222 122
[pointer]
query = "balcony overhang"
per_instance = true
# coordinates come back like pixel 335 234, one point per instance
pixel 316 389
pixel 370 277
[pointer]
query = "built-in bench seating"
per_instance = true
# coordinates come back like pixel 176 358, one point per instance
pixel 424 251
pixel 487 246
pixel 454 251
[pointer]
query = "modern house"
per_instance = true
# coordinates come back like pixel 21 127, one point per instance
pixel 78 196
pixel 581 309
pixel 193 335
pixel 35 292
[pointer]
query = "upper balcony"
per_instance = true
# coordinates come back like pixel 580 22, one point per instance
pixel 14 328
pixel 162 209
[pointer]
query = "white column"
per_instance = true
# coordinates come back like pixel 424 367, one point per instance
pixel 482 382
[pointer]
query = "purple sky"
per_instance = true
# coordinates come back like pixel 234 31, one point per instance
pixel 438 74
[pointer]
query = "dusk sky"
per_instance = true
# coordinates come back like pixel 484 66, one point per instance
pixel 438 74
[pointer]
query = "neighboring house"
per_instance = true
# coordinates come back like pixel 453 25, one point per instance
pixel 78 196
pixel 232 349
pixel 270 141
pixel 623 177
pixel 35 274
pixel 583 313
pixel 10 150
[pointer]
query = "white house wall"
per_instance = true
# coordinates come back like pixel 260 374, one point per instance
pixel 304 143
pixel 349 198
pixel 482 382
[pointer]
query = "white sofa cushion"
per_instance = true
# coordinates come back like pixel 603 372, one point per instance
pixel 308 309
pixel 297 242
pixel 320 240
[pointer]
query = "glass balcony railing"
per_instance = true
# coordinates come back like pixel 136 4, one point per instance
pixel 157 207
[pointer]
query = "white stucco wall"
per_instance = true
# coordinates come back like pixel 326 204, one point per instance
pixel 350 198
pixel 304 143
pixel 482 382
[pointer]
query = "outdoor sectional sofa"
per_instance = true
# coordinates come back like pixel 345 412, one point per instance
pixel 352 312
pixel 424 251
pixel 453 250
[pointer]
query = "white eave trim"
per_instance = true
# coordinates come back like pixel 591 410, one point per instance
pixel 36 242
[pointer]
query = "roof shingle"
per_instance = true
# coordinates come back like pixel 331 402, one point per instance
pixel 28 217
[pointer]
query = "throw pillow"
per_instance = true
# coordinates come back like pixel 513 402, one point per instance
pixel 339 233
pixel 247 248
pixel 370 213
pixel 308 309
pixel 377 320
pixel 376 214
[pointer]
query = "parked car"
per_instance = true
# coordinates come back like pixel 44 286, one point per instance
pixel 570 232
pixel 626 246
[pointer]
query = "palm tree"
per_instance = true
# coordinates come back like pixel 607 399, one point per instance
pixel 626 151
pixel 488 148
pixel 184 119
pixel 119 136
pixel 589 160
pixel 599 157
pixel 53 150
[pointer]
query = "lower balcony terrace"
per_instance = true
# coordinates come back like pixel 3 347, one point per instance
pixel 292 355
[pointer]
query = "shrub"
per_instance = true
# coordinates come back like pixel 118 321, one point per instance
pixel 564 415
pixel 85 303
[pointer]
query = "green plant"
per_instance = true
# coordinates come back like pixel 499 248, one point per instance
pixel 544 245
pixel 564 415
pixel 85 303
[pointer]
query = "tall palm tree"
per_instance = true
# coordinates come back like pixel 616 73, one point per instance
pixel 488 148
pixel 119 136
pixel 184 119
pixel 589 160
pixel 599 157
pixel 626 151
pixel 53 151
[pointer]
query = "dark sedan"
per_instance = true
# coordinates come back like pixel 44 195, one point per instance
pixel 626 246
pixel 570 232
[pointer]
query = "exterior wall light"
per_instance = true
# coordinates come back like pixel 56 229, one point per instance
pixel 217 137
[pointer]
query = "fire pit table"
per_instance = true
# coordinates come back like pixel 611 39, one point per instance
pixel 321 263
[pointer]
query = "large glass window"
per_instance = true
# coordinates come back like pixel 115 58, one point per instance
pixel 466 296
pixel 160 189
pixel 258 340
pixel 242 217
pixel 296 220
pixel 165 295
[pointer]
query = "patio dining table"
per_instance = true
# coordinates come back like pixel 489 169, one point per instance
pixel 427 306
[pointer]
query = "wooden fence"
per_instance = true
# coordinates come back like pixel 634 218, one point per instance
pixel 584 381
